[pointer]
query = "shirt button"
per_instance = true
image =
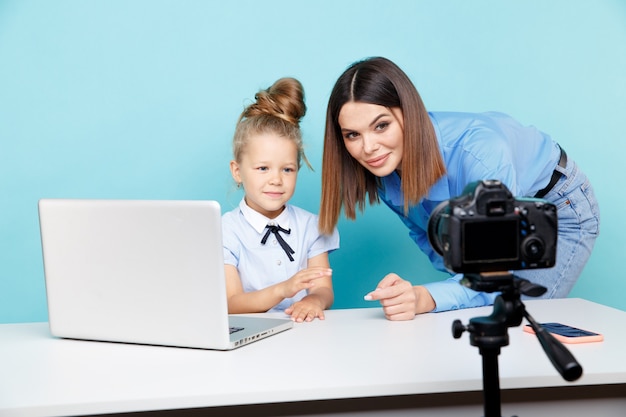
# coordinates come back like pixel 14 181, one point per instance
pixel 278 262
pixel 274 242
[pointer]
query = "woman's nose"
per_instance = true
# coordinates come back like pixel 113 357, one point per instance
pixel 370 144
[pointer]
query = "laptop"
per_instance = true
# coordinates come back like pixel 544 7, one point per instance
pixel 141 271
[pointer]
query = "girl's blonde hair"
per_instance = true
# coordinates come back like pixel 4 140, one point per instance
pixel 276 110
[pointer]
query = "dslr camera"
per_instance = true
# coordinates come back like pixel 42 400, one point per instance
pixel 486 229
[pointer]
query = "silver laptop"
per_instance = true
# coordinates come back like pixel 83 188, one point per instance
pixel 141 271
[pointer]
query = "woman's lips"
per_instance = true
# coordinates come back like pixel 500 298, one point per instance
pixel 378 161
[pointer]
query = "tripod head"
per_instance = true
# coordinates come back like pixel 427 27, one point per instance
pixel 509 311
pixel 491 331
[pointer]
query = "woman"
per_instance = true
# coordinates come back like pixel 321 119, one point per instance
pixel 381 144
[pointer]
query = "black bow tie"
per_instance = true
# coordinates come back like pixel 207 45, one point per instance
pixel 283 244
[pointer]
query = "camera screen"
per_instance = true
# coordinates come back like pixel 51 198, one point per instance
pixel 491 241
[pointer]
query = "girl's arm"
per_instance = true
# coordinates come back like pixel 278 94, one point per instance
pixel 248 302
pixel 262 300
pixel 320 296
pixel 323 289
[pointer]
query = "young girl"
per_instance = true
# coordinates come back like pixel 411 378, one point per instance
pixel 382 144
pixel 275 258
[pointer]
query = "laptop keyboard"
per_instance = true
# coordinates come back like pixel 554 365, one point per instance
pixel 235 329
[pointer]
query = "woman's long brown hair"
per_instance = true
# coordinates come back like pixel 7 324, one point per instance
pixel 346 183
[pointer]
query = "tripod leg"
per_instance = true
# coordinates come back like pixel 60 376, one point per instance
pixel 491 382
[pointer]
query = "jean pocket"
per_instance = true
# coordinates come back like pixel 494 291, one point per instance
pixel 581 206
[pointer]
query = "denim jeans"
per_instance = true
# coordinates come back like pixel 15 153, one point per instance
pixel 578 227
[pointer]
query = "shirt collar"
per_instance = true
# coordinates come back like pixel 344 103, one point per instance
pixel 259 221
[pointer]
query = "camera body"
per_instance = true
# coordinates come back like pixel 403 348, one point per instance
pixel 486 229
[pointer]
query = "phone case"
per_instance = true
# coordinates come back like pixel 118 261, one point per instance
pixel 568 334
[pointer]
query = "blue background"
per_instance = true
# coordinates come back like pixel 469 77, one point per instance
pixel 138 99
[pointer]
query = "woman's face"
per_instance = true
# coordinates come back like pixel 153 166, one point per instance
pixel 373 135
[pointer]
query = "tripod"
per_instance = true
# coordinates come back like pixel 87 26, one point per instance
pixel 489 333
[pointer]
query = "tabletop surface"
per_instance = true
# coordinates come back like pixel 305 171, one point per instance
pixel 354 353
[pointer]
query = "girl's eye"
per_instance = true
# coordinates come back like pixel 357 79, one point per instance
pixel 262 169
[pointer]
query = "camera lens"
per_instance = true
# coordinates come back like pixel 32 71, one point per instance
pixel 434 227
pixel 533 248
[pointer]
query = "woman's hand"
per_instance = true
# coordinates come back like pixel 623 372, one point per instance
pixel 400 299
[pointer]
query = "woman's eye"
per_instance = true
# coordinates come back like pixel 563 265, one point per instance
pixel 350 135
pixel 382 125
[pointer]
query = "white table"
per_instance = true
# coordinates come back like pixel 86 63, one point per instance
pixel 354 361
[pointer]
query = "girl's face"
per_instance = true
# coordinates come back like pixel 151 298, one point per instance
pixel 268 171
pixel 373 135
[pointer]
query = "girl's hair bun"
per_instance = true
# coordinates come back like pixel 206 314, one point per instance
pixel 284 99
pixel 278 111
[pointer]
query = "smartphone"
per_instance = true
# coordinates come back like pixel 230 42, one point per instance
pixel 568 334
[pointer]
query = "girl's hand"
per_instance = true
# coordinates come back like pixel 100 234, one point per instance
pixel 304 280
pixel 307 309
pixel 400 299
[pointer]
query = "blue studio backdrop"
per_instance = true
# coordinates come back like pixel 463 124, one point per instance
pixel 138 100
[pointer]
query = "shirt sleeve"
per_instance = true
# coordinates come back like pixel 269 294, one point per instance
pixel 449 294
pixel 311 241
pixel 230 242
pixel 323 243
